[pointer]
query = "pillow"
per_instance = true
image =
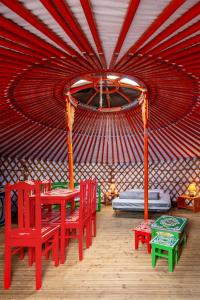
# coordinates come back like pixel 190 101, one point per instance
pixel 131 195
pixel 138 195
pixel 153 195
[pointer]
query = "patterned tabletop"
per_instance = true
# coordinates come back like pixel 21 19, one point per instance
pixel 166 241
pixel 171 223
pixel 145 226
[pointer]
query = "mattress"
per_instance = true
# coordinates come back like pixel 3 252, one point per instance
pixel 138 204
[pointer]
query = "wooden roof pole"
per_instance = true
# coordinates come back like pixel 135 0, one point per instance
pixel 145 122
pixel 69 123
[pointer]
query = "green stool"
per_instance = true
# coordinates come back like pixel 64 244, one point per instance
pixel 98 197
pixel 165 246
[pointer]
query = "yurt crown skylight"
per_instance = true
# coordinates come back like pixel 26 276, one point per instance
pixel 106 92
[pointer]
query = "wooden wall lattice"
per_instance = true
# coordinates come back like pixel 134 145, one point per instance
pixel 172 176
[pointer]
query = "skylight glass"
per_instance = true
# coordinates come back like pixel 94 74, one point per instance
pixel 128 81
pixel 81 82
pixel 112 77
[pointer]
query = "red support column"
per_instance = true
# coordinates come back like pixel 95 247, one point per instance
pixel 145 121
pixel 69 123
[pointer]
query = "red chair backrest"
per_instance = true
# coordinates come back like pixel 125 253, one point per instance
pixel 84 206
pixel 45 185
pixel 94 195
pixel 29 208
pixel 82 198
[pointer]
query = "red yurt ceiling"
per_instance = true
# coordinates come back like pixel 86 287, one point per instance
pixel 96 47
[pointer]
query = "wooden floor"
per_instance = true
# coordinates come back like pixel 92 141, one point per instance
pixel 111 268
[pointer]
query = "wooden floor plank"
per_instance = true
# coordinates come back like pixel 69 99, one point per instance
pixel 111 268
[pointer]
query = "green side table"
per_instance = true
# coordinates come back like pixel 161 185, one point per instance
pixel 171 224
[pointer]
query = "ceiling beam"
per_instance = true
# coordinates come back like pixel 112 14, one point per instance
pixel 124 96
pixel 19 40
pixel 60 11
pixel 64 20
pixel 182 20
pixel 16 47
pixel 189 58
pixel 18 56
pixel 9 29
pixel 184 52
pixel 185 44
pixel 76 89
pixel 166 13
pixel 91 98
pixel 132 8
pixel 108 97
pixel 176 38
pixel 13 30
pixel 86 5
pixel 19 9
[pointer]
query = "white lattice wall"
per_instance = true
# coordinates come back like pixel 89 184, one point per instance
pixel 172 176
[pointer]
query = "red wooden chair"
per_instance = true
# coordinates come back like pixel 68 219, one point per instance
pixel 94 205
pixel 48 214
pixel 79 219
pixel 93 199
pixel 29 232
pixel 46 186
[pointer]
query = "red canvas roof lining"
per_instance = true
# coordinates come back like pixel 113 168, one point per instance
pixel 34 74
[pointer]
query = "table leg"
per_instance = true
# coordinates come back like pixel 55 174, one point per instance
pixel 194 205
pixel 62 233
pixel 72 205
pixel 153 233
pixel 105 199
pixel 2 219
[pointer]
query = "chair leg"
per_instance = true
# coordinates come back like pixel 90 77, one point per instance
pixel 95 225
pixel 31 256
pixel 47 253
pixel 142 238
pixel 88 235
pixel 80 244
pixel 55 249
pixel 91 227
pixel 7 266
pixel 67 239
pixel 148 247
pixel 21 254
pixel 38 266
pixel 136 241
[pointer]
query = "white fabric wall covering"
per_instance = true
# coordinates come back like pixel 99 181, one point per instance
pixel 42 13
pixel 180 11
pixel 35 73
pixel 109 22
pixel 80 17
pixel 146 14
pixel 9 14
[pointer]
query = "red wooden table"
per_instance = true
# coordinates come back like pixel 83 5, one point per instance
pixel 61 197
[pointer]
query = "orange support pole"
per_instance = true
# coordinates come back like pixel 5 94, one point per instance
pixel 69 143
pixel 145 120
